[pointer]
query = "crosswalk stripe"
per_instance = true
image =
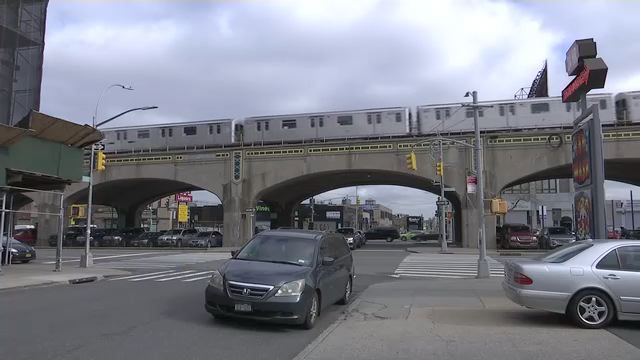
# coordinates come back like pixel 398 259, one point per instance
pixel 158 276
pixel 184 276
pixel 139 275
pixel 444 266
pixel 198 278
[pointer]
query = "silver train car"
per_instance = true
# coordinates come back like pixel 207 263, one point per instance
pixel 208 133
pixel 628 107
pixel 508 115
pixel 327 125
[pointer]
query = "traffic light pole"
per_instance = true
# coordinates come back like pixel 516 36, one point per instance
pixel 443 228
pixel 483 263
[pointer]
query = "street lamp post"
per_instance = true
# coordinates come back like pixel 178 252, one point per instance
pixel 86 259
pixel 483 264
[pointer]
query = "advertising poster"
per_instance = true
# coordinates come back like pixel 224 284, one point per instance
pixel 583 215
pixel 582 157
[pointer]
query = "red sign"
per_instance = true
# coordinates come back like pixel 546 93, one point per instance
pixel 592 76
pixel 184 197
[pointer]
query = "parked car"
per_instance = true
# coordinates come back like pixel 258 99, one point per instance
pixel 632 234
pixel 287 276
pixel 593 282
pixel 149 239
pixel 383 233
pixel 613 234
pixel 354 238
pixel 18 252
pixel 72 233
pixel 97 236
pixel 552 237
pixel 207 239
pixel 113 237
pixel 130 235
pixel 177 237
pixel 26 234
pixel 416 235
pixel 517 236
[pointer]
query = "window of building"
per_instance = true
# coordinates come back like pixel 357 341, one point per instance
pixel 143 134
pixel 549 186
pixel 517 189
pixel 469 113
pixel 603 104
pixel 289 124
pixel 568 106
pixel 346 120
pixel 538 108
pixel 501 110
pixel 266 126
pixel 378 118
pixel 437 114
pixel 190 130
pixel 369 119
pixel 512 109
pixel 259 126
pixel 398 117
pixel 313 122
pixel 219 128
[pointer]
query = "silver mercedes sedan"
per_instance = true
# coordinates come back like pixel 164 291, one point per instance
pixel 593 282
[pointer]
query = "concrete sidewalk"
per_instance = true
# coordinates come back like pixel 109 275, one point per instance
pixel 456 319
pixel 25 275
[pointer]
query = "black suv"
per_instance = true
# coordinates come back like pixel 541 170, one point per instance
pixel 284 276
pixel 383 233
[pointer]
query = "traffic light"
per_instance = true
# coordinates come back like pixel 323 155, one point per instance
pixel 411 161
pixel 439 168
pixel 101 161
pixel 499 206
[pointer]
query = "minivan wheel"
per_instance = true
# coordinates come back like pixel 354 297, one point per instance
pixel 312 312
pixel 591 309
pixel 347 293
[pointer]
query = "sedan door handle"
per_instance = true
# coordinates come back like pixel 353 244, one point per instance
pixel 611 277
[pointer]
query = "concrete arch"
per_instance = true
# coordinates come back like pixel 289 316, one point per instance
pixel 288 193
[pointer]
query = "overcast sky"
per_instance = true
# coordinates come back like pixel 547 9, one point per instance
pixel 200 60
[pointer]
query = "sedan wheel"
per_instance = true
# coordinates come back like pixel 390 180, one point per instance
pixel 591 310
pixel 347 293
pixel 312 312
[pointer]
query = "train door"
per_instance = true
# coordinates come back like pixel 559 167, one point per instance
pixel 314 126
pixel 374 121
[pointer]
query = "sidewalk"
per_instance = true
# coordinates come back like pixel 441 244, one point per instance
pixel 23 275
pixel 490 252
pixel 456 319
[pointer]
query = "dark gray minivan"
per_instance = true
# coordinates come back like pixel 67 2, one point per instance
pixel 285 276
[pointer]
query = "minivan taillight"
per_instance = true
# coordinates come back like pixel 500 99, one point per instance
pixel 522 279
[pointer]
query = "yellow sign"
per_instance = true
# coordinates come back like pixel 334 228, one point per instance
pixel 183 213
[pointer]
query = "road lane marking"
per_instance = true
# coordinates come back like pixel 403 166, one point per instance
pixel 184 276
pixel 158 276
pixel 105 257
pixel 141 275
pixel 198 278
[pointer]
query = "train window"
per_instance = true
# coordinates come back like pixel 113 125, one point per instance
pixel 313 122
pixel 501 110
pixel 289 124
pixel 321 121
pixel 348 119
pixel 219 128
pixel 603 104
pixel 469 113
pixel 480 113
pixel 210 129
pixel 398 117
pixel 266 126
pixel 539 108
pixel 378 118
pixel 121 135
pixel 143 134
pixel 259 126
pixel 189 130
pixel 512 109
pixel 437 114
pixel 170 132
pixel 568 106
pixel 162 132
pixel 447 113
pixel 369 119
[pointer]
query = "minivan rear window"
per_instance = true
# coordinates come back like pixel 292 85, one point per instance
pixel 564 253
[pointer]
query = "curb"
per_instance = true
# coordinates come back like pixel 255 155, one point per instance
pixel 84 280
pixel 323 335
pixel 74 281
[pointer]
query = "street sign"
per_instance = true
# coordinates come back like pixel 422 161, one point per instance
pixel 183 213
pixel 472 182
pixel 184 197
pixel 249 210
pixel 98 146
pixel 442 202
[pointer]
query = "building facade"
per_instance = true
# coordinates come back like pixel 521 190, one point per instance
pixel 22 29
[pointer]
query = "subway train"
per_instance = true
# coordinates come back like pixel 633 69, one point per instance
pixel 506 115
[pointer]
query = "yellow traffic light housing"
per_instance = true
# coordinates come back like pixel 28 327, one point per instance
pixel 439 168
pixel 498 206
pixel 101 161
pixel 411 161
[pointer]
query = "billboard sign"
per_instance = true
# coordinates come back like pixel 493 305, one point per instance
pixel 581 147
pixel 332 215
pixel 583 206
pixel 184 197
pixel 183 213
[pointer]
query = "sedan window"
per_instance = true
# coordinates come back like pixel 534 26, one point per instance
pixel 287 249
pixel 609 262
pixel 629 258
pixel 564 253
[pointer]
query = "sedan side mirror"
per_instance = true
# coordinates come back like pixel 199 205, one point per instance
pixel 328 260
pixel 233 253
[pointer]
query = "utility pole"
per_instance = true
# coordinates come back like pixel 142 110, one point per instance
pixel 357 206
pixel 483 264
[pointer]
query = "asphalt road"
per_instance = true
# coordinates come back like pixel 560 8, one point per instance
pixel 156 320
